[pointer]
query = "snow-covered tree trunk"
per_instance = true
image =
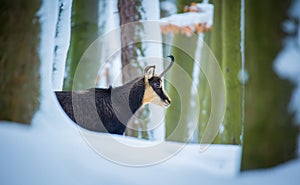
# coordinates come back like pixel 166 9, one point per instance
pixel 62 42
pixel 270 135
pixel 19 60
pixel 84 31
pixel 154 56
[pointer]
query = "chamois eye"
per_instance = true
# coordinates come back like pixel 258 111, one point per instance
pixel 156 85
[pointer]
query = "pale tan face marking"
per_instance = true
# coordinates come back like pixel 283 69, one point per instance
pixel 150 96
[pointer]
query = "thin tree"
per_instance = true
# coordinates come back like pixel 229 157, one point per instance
pixel 61 43
pixel 226 45
pixel 84 31
pixel 178 130
pixel 130 12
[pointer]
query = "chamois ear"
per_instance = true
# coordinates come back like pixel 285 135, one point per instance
pixel 149 71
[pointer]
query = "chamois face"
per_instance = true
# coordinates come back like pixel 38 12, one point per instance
pixel 154 92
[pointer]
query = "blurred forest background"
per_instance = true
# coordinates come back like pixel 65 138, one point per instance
pixel 246 37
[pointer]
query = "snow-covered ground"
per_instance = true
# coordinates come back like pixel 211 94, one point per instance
pixel 48 153
pixel 53 151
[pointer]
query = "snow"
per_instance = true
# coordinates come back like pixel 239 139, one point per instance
pixel 189 19
pixel 48 153
pixel 169 7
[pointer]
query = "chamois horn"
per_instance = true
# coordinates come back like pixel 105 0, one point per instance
pixel 168 68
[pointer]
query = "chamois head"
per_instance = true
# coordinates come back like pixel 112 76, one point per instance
pixel 154 92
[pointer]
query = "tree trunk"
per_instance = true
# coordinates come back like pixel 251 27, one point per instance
pixel 62 40
pixel 213 39
pixel 270 135
pixel 204 90
pixel 84 31
pixel 225 43
pixel 177 115
pixel 19 60
pixel 231 66
pixel 130 11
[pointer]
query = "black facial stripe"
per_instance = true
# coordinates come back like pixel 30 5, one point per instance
pixel 159 90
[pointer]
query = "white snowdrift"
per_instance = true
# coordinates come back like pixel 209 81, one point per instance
pixel 53 151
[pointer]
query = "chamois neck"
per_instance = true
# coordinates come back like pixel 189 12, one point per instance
pixel 136 95
pixel 131 93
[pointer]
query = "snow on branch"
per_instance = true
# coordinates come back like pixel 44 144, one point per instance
pixel 197 18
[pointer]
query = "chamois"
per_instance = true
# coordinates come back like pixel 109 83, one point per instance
pixel 109 110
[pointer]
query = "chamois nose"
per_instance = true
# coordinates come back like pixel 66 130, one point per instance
pixel 167 101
